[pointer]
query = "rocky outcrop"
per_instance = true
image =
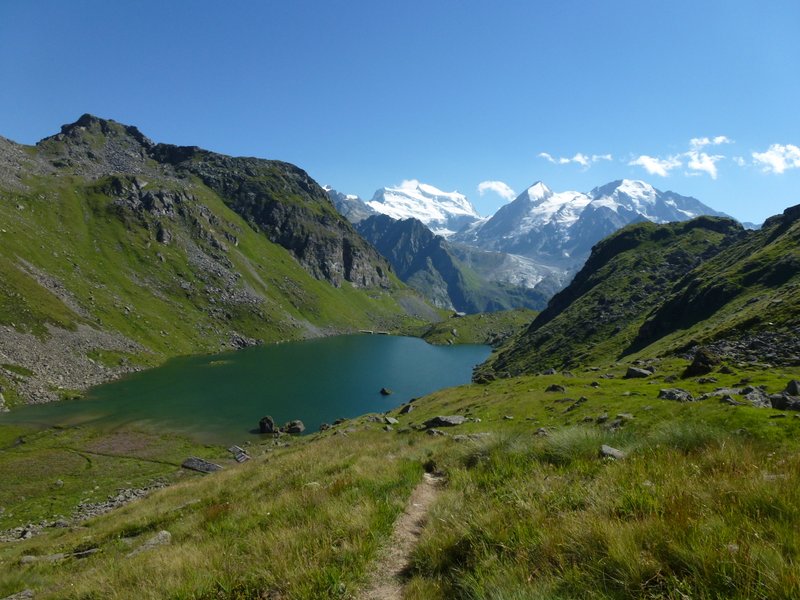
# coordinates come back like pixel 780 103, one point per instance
pixel 445 421
pixel 291 209
pixel 676 394
pixel 267 425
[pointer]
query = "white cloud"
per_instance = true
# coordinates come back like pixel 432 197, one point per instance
pixel 580 158
pixel 500 188
pixel 697 143
pixel 706 163
pixel 655 165
pixel 778 158
pixel 739 160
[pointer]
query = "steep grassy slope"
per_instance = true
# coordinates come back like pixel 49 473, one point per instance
pixel 111 257
pixel 704 505
pixel 627 276
pixel 484 328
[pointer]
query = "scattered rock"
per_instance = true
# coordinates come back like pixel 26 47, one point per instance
pixel 555 388
pixel 508 418
pixel 778 416
pixel 23 595
pixel 675 394
pixel 705 380
pixel 295 426
pixel 703 362
pixel 757 397
pixel 435 432
pixel 542 432
pixel 636 373
pixel 602 418
pixel 445 421
pixel 728 400
pixel 162 538
pixel 324 426
pixel 625 416
pixel 406 409
pixel 670 378
pixel 793 388
pixel 29 559
pixel 198 464
pixel 388 428
pixel 576 404
pixel 609 452
pixel 267 425
pixel 550 372
pixel 784 401
pixel 390 421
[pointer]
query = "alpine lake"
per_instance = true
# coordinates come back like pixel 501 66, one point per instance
pixel 219 399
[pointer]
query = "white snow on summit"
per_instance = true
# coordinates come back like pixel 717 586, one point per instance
pixel 443 212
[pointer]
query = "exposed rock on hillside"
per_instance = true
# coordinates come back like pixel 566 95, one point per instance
pixel 432 266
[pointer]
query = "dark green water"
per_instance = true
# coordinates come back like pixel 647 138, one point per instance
pixel 220 398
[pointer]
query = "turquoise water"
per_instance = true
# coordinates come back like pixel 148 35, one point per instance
pixel 220 398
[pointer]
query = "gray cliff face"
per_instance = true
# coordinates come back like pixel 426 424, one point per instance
pixel 449 277
pixel 275 197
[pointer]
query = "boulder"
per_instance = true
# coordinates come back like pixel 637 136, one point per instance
pixel 295 426
pixel 390 421
pixel 267 425
pixel 162 538
pixel 636 373
pixel 445 421
pixel 406 409
pixel 198 464
pixel 385 391
pixel 793 388
pixel 703 362
pixel 555 388
pixel 324 426
pixel 784 401
pixel 676 394
pixel 609 452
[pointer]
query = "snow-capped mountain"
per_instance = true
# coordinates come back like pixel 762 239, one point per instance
pixel 560 228
pixel 444 213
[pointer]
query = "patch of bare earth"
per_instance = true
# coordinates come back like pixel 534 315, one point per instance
pixel 386 582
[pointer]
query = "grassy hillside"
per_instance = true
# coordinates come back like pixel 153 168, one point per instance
pixel 651 290
pixel 704 504
pixel 484 328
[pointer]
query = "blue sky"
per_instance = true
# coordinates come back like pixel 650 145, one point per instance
pixel 453 93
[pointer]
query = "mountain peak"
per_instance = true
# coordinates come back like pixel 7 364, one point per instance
pixel 443 212
pixel 88 123
pixel 539 191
